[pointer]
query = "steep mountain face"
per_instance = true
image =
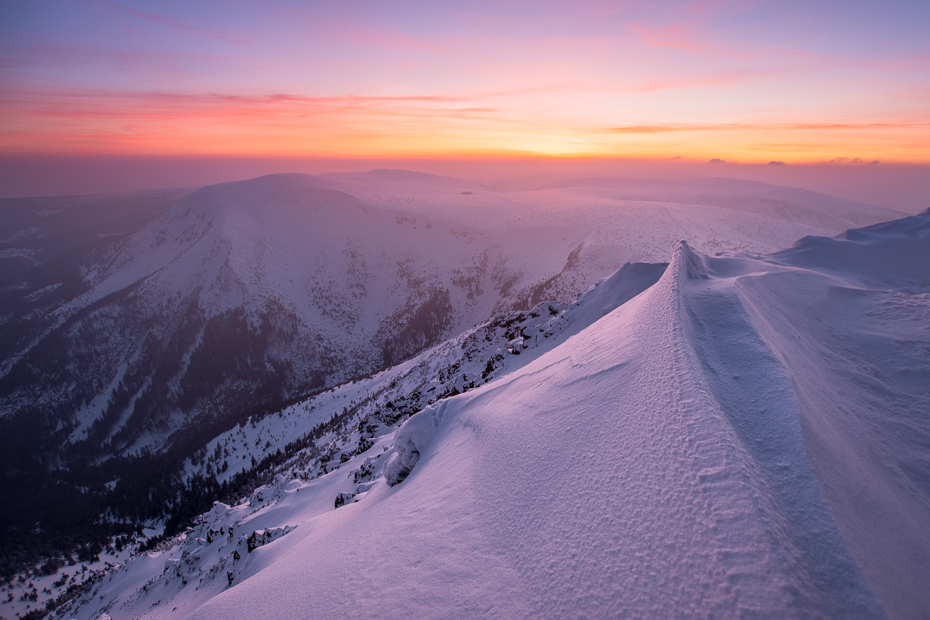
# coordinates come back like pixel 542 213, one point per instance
pixel 746 436
pixel 249 294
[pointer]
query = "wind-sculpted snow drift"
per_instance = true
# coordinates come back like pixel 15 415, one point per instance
pixel 745 437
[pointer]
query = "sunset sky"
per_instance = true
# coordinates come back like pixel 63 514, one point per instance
pixel 753 82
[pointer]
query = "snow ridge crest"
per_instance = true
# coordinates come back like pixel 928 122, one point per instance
pixel 687 262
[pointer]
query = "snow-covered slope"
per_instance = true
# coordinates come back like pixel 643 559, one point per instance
pixel 745 437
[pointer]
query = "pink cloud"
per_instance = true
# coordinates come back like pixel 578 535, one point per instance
pixel 705 7
pixel 366 35
pixel 77 107
pixel 730 77
pixel 381 38
pixel 679 37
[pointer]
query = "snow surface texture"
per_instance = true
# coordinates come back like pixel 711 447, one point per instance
pixel 746 437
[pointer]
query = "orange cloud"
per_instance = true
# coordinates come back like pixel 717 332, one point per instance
pixel 287 124
pixel 634 129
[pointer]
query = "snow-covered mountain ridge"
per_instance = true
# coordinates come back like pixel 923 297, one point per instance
pixel 247 295
pixel 328 429
pixel 128 358
pixel 744 437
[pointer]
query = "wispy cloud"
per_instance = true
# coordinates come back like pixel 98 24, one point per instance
pixel 853 161
pixel 775 126
pixel 717 79
pixel 679 36
pixel 74 62
pixel 105 102
pixel 603 77
pixel 161 20
pixel 391 40
pixel 358 32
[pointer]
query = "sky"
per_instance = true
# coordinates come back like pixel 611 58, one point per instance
pixel 798 82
